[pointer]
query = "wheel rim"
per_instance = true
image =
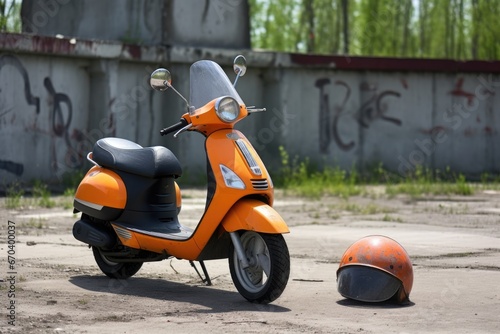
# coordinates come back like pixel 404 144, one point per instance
pixel 254 278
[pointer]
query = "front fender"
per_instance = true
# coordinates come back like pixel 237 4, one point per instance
pixel 254 215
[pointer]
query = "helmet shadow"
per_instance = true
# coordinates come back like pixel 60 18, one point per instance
pixel 388 304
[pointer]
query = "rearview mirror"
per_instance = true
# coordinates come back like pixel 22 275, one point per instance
pixel 240 65
pixel 160 79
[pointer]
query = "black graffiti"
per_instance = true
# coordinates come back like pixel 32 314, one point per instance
pixel 374 108
pixel 324 117
pixel 60 123
pixel 61 114
pixel 14 61
pixel 338 112
pixel 12 167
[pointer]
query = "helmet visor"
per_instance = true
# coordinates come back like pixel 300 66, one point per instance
pixel 366 284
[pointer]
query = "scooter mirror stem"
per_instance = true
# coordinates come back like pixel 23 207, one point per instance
pixel 169 85
pixel 236 80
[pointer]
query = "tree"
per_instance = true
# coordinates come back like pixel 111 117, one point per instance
pixel 458 29
pixel 10 19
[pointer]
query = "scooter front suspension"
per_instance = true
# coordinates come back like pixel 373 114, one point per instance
pixel 235 238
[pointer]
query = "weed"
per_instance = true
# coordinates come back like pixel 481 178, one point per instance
pixel 71 180
pixel 369 209
pixel 315 215
pixel 426 182
pixel 14 197
pixel 67 200
pixel 69 192
pixel 34 223
pixel 301 178
pixel 389 218
pixel 42 195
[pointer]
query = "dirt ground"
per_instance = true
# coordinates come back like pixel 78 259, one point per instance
pixel 454 243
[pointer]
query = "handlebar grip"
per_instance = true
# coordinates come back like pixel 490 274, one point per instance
pixel 177 126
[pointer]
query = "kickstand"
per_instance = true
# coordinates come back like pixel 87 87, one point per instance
pixel 205 280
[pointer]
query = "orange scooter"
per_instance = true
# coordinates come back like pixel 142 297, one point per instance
pixel 130 201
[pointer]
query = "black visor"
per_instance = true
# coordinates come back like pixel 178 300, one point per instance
pixel 366 284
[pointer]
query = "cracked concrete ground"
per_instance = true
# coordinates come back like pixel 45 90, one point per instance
pixel 454 243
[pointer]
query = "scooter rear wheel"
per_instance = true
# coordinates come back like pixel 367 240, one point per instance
pixel 119 270
pixel 266 278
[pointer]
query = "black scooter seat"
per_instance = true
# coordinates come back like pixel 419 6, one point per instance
pixel 127 156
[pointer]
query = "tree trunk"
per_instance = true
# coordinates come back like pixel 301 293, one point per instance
pixel 309 12
pixel 406 28
pixel 345 14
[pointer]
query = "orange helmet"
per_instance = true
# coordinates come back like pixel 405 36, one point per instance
pixel 374 269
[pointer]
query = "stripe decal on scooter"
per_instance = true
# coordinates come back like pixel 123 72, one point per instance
pixel 89 204
pixel 254 166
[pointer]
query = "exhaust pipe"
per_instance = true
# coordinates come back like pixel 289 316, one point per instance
pixel 93 234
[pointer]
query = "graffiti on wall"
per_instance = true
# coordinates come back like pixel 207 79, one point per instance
pixel 374 106
pixel 465 102
pixel 59 113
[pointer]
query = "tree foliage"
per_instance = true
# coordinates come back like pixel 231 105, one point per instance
pixel 457 29
pixel 9 16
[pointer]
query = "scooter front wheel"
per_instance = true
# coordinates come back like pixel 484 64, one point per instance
pixel 119 270
pixel 266 278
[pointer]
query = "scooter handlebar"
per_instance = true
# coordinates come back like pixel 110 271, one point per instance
pixel 177 126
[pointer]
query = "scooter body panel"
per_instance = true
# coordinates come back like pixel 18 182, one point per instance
pixel 101 194
pixel 225 147
pixel 253 215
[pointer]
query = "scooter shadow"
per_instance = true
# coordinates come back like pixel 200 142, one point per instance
pixel 379 305
pixel 214 300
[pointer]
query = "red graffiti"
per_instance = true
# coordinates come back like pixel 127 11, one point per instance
pixel 460 92
pixel 490 131
pixel 404 82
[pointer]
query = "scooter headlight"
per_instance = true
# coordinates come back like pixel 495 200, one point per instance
pixel 227 109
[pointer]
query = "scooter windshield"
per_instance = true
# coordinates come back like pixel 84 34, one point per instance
pixel 208 81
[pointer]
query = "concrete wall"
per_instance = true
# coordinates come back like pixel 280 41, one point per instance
pixel 214 23
pixel 406 119
pixel 59 95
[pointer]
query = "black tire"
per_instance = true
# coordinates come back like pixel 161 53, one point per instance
pixel 265 252
pixel 119 270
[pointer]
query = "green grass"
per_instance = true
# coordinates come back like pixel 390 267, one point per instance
pixel 14 198
pixel 425 182
pixel 67 199
pixel 42 195
pixel 369 209
pixel 389 218
pixel 35 223
pixel 301 178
